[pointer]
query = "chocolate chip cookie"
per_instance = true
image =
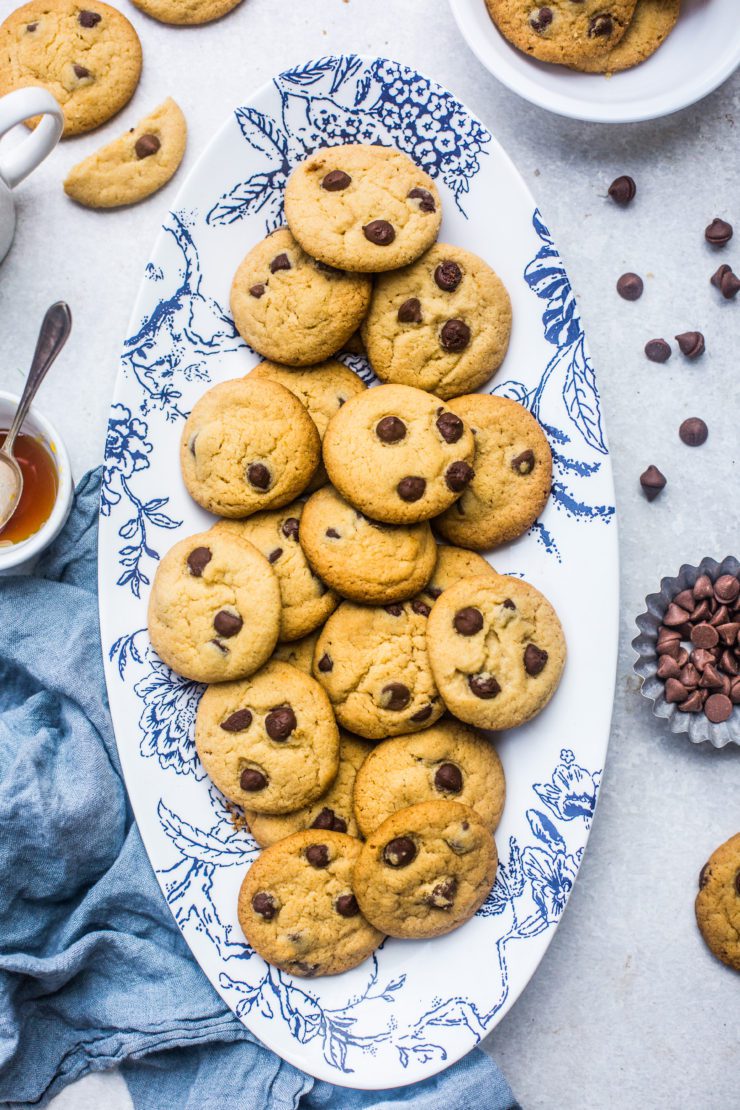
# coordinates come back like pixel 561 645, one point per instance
pixel 718 902
pixel 562 31
pixel 333 810
pixel 214 609
pixel 513 474
pixel 270 743
pixel 447 762
pixel 86 54
pixel 186 12
pixel 399 455
pixel 363 208
pixel 442 324
pixel 651 24
pixel 291 308
pixel 496 649
pixel 361 559
pixel 246 446
pixel 323 389
pixel 373 664
pixel 305 600
pixel 425 870
pixel 453 563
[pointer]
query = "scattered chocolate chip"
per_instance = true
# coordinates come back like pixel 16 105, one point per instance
pixel 275 555
pixel 524 463
pixel 483 685
pixel 258 476
pixel 690 676
pixel 448 276
pixel 264 904
pixel 146 145
pixel 540 19
pixel 667 667
pixel 280 722
pixel 290 527
pixel 726 281
pixel 652 482
pixel 306 969
pixel 455 335
pixel 704 876
pixel 425 199
pixel 448 778
pixel 458 475
pixel 318 855
pixel 411 488
pixel 534 660
pixel 691 343
pixel 395 696
pixel 346 905
pixel 80 71
pixel 198 560
pixel 422 714
pixel 700 657
pixel 227 624
pixel 280 262
pixel 442 896
pixel 657 350
pixel 325 664
pixel 238 721
pixel 675 616
pixel 692 704
pixel 450 427
pixel 399 852
pixel 328 819
pixel 675 691
pixel 420 607
pixel 726 588
pixel 332 534
pixel 622 190
pixel 630 287
pixel 390 429
pixel 693 432
pixel 410 311
pixel 703 587
pixel 91 19
pixel 31 27
pixel 508 603
pixel 600 26
pixel 335 181
pixel 252 780
pixel 257 290
pixel 468 621
pixel 718 233
pixel 717 708
pixel 379 232
pixel 710 678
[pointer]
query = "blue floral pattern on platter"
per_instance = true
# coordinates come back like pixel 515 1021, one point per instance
pixel 183 338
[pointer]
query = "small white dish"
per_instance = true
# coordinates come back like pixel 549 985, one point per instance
pixel 700 53
pixel 19 557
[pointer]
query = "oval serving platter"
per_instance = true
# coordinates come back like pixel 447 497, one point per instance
pixel 416 1006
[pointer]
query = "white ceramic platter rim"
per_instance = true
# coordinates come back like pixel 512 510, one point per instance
pixel 417 1006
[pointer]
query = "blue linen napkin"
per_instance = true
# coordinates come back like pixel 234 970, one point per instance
pixel 93 970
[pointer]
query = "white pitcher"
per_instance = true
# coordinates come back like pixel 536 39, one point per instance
pixel 20 159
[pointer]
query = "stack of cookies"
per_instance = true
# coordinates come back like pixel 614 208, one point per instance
pixel 352 661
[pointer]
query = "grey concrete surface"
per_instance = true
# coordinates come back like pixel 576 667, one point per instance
pixel 628 1008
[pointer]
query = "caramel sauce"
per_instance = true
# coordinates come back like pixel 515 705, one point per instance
pixel 40 484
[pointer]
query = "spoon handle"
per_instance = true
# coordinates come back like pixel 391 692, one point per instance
pixel 54 332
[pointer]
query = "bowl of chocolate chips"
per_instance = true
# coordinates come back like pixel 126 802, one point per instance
pixel 688 651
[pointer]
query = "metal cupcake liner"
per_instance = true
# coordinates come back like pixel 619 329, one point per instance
pixel 696 725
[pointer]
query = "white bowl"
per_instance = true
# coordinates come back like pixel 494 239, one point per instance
pixel 20 556
pixel 700 53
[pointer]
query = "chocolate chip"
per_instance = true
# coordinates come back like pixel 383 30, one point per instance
pixel 422 714
pixel 468 621
pixel 675 616
pixel 264 904
pixel 700 657
pixel 657 350
pixel 425 199
pixel 221 647
pixel 508 603
pixel 693 432
pixel 420 607
pixel 534 660
pixel 483 685
pixel 390 429
pixel 690 676
pixel 703 587
pixel 735 692
pixel 524 463
pixel 450 427
pixel 630 287
pixel 704 636
pixel 432 591
pixel 710 679
pixel 726 281
pixel 318 855
pixel 394 610
pixel 346 905
pixel 198 560
pixel 458 475
pixel 448 275
pixel 335 181
pixel 238 721
pixel 718 708
pixel 227 624
pixel 702 612
pixel 275 555
pixel 395 696
pixel 455 335
pixel 718 233
pixel 600 26
pixel 379 232
pixel 410 311
pixel 31 27
pixel 280 722
pixel 280 262
pixel 290 527
pixel 327 819
pixel 305 968
pixel 252 780
pixel 257 290
pixel 448 778
pixel 442 896
pixel 728 632
pixel 692 704
pixel 622 190
pixel 399 852
pixel 652 482
pixel 691 343
pixel 667 667
pixel 327 269
pixel 704 876
pixel 80 71
pixel 726 588
pixel 325 664
pixel 90 19
pixel 540 19
pixel 675 691
pixel 146 145
pixel 737 883
pixel 411 488
pixel 258 476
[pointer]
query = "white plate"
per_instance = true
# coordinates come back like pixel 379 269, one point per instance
pixel 699 54
pixel 416 1007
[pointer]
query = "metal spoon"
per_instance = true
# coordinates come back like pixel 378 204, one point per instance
pixel 53 335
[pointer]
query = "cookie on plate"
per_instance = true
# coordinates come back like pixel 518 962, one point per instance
pixel 299 653
pixel 398 455
pixel 362 208
pixel 426 870
pixel 361 559
pixel 447 762
pixel 297 909
pixel 563 31
pixel 86 54
pixel 306 602
pixel 133 166
pixel 441 324
pixel 247 446
pixel 513 474
pixel 453 563
pixel 214 608
pixel 291 308
pixel 270 743
pixel 496 649
pixel 718 902
pixel 373 664
pixel 651 24
pixel 323 389
pixel 185 12
pixel 333 810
